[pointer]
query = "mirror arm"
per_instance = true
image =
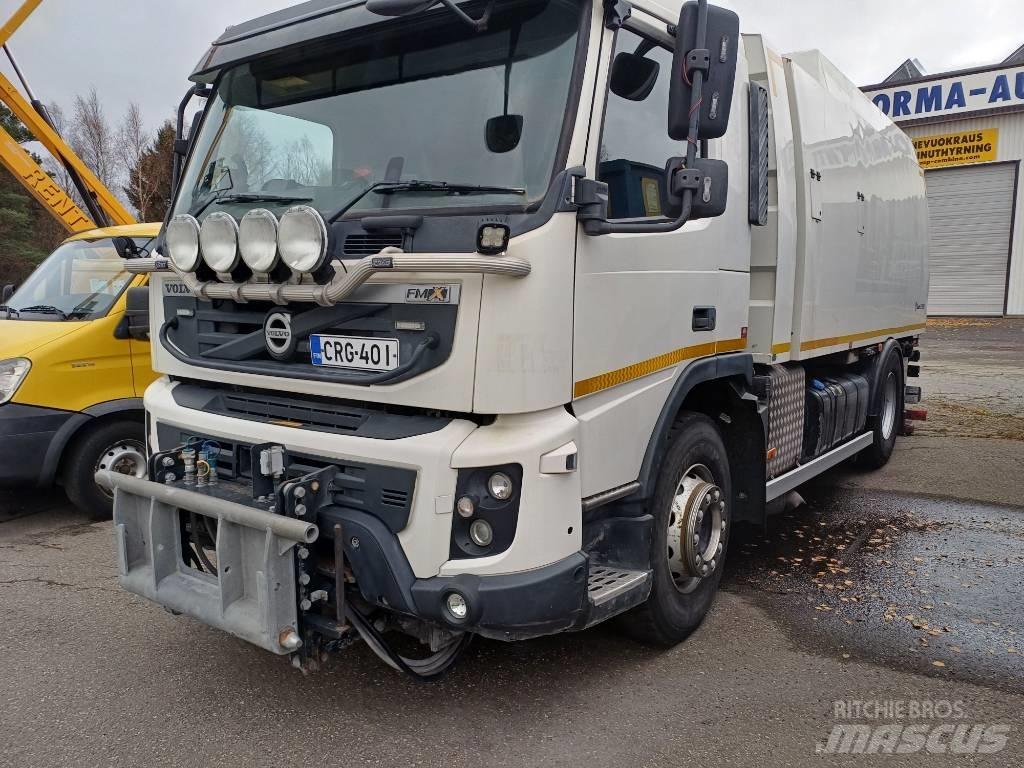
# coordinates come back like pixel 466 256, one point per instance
pixel 480 25
pixel 180 143
pixel 605 227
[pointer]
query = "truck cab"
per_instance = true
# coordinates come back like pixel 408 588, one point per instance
pixel 493 318
pixel 73 368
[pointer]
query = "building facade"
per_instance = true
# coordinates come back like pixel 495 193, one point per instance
pixel 968 128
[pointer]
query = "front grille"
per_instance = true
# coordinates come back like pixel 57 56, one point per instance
pixel 371 245
pixel 268 408
pixel 384 492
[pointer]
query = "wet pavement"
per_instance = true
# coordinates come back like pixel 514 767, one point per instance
pixel 924 585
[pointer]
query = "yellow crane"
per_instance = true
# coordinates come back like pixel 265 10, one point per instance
pixel 103 208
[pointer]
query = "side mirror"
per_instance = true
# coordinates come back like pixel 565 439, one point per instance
pixel 707 47
pixel 137 313
pixel 7 293
pixel 709 180
pixel 633 76
pixel 504 133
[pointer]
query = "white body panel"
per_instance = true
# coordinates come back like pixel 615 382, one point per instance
pixel 853 288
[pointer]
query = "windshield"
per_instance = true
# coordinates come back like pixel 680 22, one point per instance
pixel 81 280
pixel 424 98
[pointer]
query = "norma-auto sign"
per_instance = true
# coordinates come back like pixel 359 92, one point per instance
pixel 962 148
pixel 951 96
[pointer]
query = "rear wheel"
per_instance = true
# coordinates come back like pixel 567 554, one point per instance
pixel 691 509
pixel 889 412
pixel 117 446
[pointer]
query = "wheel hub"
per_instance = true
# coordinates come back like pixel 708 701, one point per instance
pixel 125 458
pixel 696 527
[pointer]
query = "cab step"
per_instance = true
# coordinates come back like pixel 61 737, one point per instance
pixel 604 584
pixel 611 591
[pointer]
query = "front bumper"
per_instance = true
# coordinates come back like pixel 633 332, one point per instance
pixel 253 594
pixel 27 434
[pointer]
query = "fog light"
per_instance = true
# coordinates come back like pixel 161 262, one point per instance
pixel 457 606
pixel 481 533
pixel 500 486
pixel 466 507
pixel 493 238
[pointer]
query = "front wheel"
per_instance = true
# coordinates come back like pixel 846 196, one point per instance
pixel 117 446
pixel 691 510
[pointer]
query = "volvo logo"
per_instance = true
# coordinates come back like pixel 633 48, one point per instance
pixel 281 341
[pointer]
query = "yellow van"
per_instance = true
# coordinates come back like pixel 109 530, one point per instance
pixel 73 367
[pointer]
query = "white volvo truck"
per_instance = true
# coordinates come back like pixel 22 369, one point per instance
pixel 494 318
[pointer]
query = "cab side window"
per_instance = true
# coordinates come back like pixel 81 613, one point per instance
pixel 635 143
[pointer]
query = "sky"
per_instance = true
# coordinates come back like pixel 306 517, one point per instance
pixel 143 50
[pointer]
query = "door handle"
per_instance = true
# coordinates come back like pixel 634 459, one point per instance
pixel 704 318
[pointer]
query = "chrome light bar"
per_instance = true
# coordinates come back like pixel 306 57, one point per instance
pixel 345 282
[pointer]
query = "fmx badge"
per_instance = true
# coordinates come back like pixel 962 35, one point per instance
pixel 961 148
pixel 428 294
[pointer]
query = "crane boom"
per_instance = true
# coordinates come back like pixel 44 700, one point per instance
pixel 24 168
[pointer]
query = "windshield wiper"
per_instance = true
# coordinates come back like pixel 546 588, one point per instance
pixel 45 309
pixel 242 197
pixel 259 197
pixel 393 187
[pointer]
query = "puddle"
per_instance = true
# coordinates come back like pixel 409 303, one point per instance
pixel 908 582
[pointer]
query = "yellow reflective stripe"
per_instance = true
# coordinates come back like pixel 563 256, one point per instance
pixel 837 340
pixel 781 349
pixel 647 367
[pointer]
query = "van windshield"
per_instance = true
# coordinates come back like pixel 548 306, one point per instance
pixel 81 280
pixel 424 99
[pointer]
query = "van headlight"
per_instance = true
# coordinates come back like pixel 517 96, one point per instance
pixel 12 374
pixel 182 240
pixel 302 239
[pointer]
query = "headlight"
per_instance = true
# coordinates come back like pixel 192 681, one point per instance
pixel 257 240
pixel 500 486
pixel 302 239
pixel 12 373
pixel 183 242
pixel 219 240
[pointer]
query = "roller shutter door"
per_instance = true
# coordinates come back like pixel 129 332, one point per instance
pixel 970 210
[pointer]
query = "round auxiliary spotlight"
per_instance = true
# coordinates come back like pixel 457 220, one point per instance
pixel 182 239
pixel 257 240
pixel 302 239
pixel 218 238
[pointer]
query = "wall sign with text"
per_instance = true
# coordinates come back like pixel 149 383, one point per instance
pixel 963 148
pixel 953 96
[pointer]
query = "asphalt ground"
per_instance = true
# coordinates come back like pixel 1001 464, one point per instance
pixel 889 599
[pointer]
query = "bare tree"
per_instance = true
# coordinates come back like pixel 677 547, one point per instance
pixel 93 140
pixel 133 145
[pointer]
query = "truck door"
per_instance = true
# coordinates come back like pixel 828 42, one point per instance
pixel 646 305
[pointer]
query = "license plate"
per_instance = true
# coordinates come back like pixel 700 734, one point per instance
pixel 354 352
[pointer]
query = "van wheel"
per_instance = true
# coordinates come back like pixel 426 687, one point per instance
pixel 691 510
pixel 118 446
pixel 886 424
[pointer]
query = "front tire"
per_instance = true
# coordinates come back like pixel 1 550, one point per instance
pixel 886 424
pixel 118 446
pixel 691 510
